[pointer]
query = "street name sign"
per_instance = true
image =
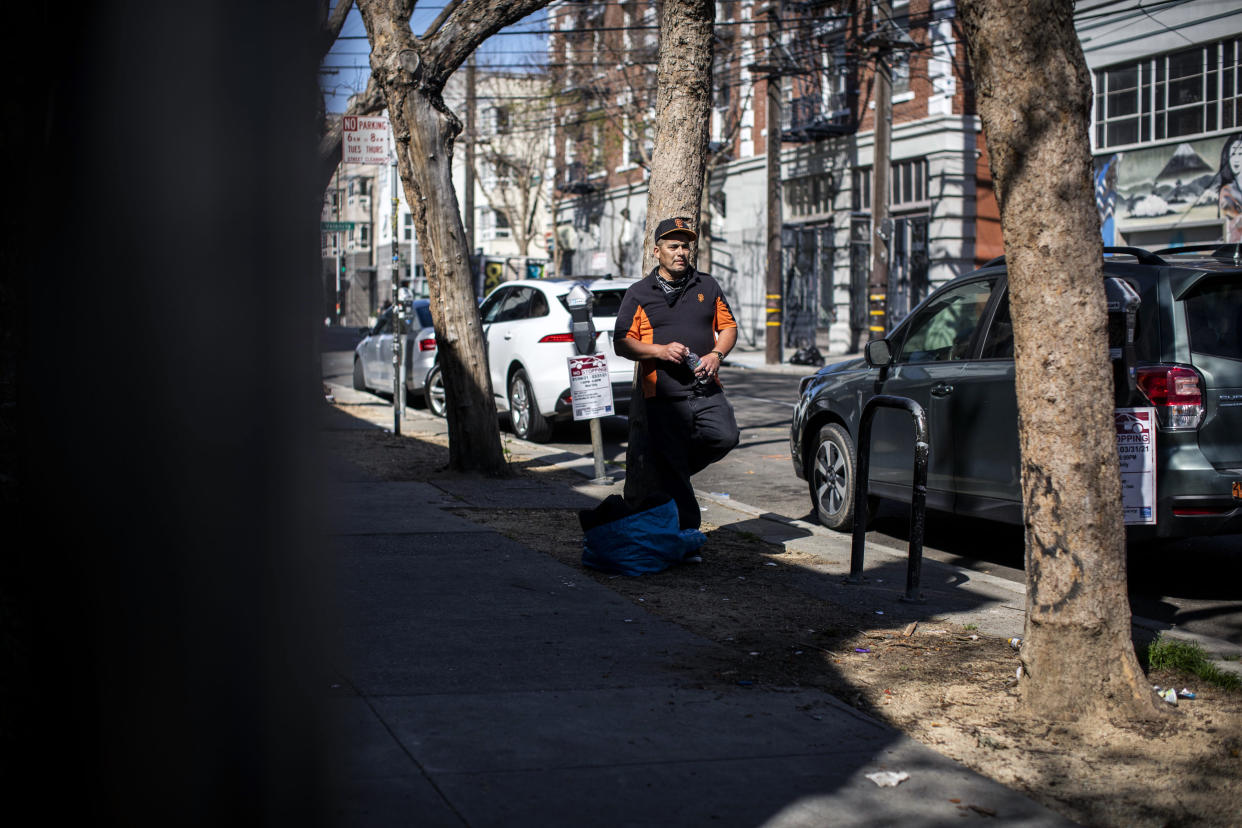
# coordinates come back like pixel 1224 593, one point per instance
pixel 335 226
pixel 365 140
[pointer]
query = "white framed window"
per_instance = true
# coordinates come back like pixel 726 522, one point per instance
pixel 494 224
pixel 1180 94
pixel 907 182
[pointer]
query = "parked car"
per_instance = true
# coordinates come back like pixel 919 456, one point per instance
pixel 528 330
pixel 954 356
pixel 373 355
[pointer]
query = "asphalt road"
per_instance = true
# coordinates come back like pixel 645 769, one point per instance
pixel 1195 584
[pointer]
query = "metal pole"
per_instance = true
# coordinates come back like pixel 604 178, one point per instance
pixel 597 448
pixel 398 321
pixel 336 214
pixel 774 301
pixel 877 285
pixel 918 499
pixel 862 472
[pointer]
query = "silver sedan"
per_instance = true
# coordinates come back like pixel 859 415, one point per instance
pixel 373 355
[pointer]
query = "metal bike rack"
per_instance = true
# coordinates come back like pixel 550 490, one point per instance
pixel 918 501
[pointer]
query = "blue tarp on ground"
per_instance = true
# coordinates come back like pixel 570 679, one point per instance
pixel 650 540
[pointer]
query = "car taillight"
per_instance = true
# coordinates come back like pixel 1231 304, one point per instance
pixel 561 337
pixel 427 344
pixel 1175 392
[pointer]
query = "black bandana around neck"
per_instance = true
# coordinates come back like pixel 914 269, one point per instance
pixel 674 289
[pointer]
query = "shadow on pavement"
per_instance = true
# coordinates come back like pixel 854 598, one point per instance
pixel 490 683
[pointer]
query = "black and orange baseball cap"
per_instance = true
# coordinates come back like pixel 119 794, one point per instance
pixel 675 225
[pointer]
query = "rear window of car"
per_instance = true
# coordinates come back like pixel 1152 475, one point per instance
pixel 1214 318
pixel 423 313
pixel 607 302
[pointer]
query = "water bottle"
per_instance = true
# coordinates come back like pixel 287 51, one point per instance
pixel 693 360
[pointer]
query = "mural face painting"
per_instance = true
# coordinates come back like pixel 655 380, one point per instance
pixel 1230 199
pixel 1172 194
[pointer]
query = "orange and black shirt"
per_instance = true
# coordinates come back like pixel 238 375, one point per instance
pixel 693 318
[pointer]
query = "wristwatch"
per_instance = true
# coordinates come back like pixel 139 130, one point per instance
pixel 717 353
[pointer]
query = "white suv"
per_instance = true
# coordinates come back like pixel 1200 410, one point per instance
pixel 528 330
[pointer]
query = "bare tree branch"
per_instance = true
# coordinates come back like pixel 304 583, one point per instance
pixel 439 21
pixel 468 24
pixel 332 23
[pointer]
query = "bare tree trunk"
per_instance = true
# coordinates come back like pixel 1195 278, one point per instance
pixel 683 117
pixel 1034 96
pixel 411 72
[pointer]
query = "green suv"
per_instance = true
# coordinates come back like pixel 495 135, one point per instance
pixel 1179 387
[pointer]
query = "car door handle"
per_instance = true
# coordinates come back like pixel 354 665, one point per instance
pixel 941 389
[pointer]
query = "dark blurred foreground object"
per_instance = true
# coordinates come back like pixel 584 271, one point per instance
pixel 163 620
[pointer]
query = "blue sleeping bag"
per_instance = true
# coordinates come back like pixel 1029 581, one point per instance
pixel 649 540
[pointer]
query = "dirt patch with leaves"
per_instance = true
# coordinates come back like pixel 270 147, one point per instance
pixel 948 687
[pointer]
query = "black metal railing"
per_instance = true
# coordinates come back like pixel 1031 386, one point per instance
pixel 918 499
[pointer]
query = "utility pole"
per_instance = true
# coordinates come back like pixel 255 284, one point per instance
pixel 774 300
pixel 881 224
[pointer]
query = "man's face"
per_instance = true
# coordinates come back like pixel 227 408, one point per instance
pixel 673 254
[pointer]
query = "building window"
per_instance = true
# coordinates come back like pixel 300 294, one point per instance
pixel 409 227
pixel 364 236
pixel 1175 95
pixel 494 224
pixel 907 185
pixel 500 120
pixel 900 64
pixel 809 195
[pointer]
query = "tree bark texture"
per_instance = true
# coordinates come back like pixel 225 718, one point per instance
pixel 678 163
pixel 1034 97
pixel 412 72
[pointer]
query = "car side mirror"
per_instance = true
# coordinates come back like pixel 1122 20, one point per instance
pixel 878 353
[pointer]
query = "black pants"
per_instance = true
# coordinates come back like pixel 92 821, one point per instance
pixel 687 435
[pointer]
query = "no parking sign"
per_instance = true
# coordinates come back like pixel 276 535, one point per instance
pixel 1136 448
pixel 590 386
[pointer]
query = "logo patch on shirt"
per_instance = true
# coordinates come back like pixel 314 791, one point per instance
pixel 700 297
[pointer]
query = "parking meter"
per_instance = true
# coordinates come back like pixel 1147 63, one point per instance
pixel 1123 304
pixel 580 301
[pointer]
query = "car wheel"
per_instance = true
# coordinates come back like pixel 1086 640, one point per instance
pixel 433 392
pixel 832 478
pixel 360 381
pixel 528 423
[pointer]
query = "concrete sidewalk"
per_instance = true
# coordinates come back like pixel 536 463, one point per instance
pixel 488 684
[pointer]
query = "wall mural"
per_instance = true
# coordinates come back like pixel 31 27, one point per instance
pixel 1170 188
pixel 1230 198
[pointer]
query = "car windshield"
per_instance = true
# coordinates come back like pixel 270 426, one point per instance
pixel 1214 319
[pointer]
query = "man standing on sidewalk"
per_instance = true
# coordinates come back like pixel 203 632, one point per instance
pixel 666 320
